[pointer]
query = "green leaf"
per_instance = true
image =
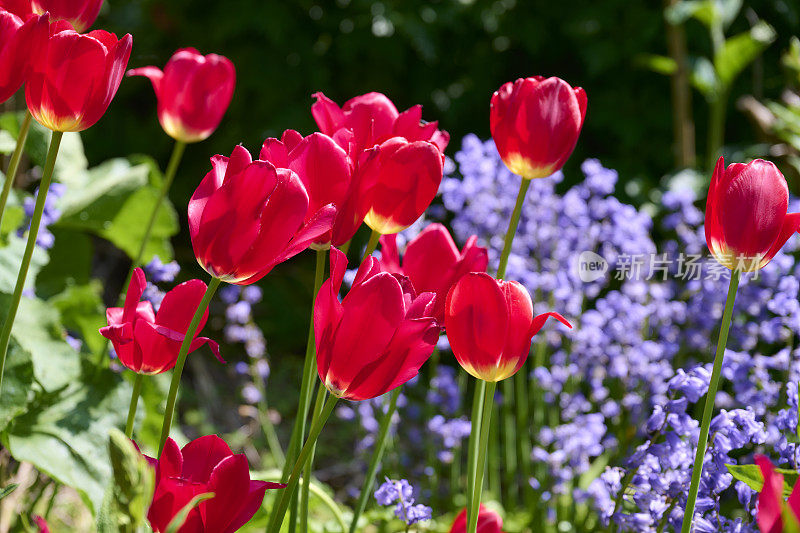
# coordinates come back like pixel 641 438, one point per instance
pixel 17 382
pixel 741 50
pixel 81 309
pixel 70 263
pixel 704 78
pixel 181 516
pixel 5 491
pixel 751 476
pixel 8 143
pixel 708 12
pixel 660 64
pixel 11 258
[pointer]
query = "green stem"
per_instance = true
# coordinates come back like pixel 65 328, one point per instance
pixel 322 393
pixel 13 165
pixel 507 422
pixel 137 390
pixel 374 237
pixel 486 424
pixel 512 228
pixel 474 440
pixel 44 186
pixel 184 351
pixel 375 461
pixel 708 408
pixel 279 511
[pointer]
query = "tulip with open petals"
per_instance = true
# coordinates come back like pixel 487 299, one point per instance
pixel 247 216
pixel 74 80
pixel 771 508
pixel 433 262
pixel 377 337
pixel 746 219
pixel 20 42
pixel 205 465
pixel 193 93
pixel 148 342
pixel 490 325
pixel 326 172
pixel 488 522
pixel 535 124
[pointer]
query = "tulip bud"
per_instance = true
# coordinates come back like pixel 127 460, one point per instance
pixel 20 43
pixel 433 262
pixel 746 219
pixel 398 181
pixel 488 522
pixel 377 337
pixel 205 465
pixel 490 324
pixel 74 80
pixel 246 217
pixel 535 124
pixel 80 13
pixel 193 93
pixel 148 342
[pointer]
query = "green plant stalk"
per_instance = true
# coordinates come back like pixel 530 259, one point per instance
pixel 279 510
pixel 13 165
pixel 523 433
pixel 716 126
pixel 708 408
pixel 507 441
pixel 474 441
pixel 322 394
pixel 33 233
pixel 179 364
pixel 137 390
pixel 486 424
pixel 512 228
pixel 375 460
pixel 374 238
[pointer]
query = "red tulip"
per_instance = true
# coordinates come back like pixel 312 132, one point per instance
pixel 377 337
pixel 41 524
pixel 373 119
pixel 488 522
pixel 433 262
pixel 148 342
pixel 246 217
pixel 193 93
pixel 73 82
pixel 770 506
pixel 535 124
pixel 398 182
pixel 746 219
pixel 205 465
pixel 80 13
pixel 326 172
pixel 490 324
pixel 19 42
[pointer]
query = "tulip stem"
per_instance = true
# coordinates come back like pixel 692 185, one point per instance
pixel 374 237
pixel 13 165
pixel 306 391
pixel 279 510
pixel 708 408
pixel 322 394
pixel 480 452
pixel 512 228
pixel 137 390
pixel 377 456
pixel 474 440
pixel 178 370
pixel 33 233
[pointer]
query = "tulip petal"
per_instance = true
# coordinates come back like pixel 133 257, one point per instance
pixel 252 502
pixel 790 226
pixel 328 311
pixel 390 256
pixel 327 114
pixel 770 500
pixel 430 258
pixel 179 306
pixel 324 168
pixel 201 456
pixel 539 320
pixel 230 483
pixel 154 74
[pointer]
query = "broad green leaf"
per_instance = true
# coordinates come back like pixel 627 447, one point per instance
pixel 81 309
pixel 5 491
pixel 64 432
pixel 708 12
pixel 17 381
pixel 10 260
pixel 181 516
pixel 751 476
pixel 70 263
pixel 8 143
pixel 740 50
pixel 12 218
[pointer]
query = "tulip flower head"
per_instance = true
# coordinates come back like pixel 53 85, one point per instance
pixel 326 172
pixel 772 511
pixel 490 325
pixel 74 80
pixel 377 337
pixel 535 123
pixel 20 42
pixel 80 13
pixel 433 262
pixel 148 342
pixel 247 216
pixel 205 465
pixel 746 220
pixel 488 522
pixel 193 93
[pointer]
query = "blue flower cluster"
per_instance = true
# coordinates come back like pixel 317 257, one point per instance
pixel 401 494
pixel 50 215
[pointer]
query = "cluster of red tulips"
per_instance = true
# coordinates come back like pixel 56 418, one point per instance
pixel 368 164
